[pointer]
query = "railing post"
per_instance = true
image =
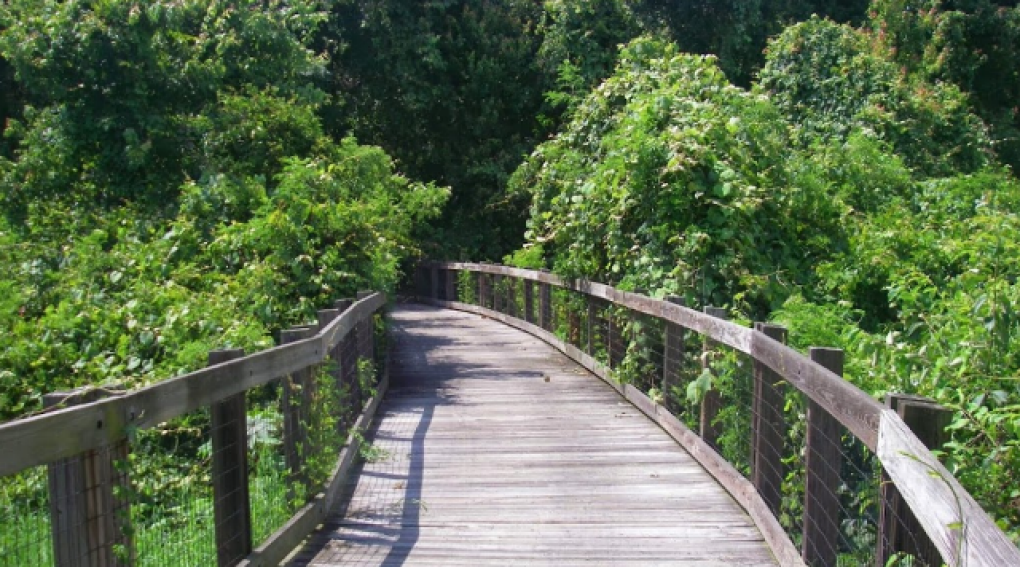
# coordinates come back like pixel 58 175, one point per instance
pixel 87 518
pixel 529 301
pixel 545 305
pixel 510 304
pixel 590 323
pixel 231 504
pixel 822 470
pixel 497 293
pixel 768 427
pixel 898 528
pixel 672 357
pixel 711 402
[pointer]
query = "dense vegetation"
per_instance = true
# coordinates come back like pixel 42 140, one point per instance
pixel 181 176
pixel 860 207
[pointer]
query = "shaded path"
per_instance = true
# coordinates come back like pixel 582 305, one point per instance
pixel 492 448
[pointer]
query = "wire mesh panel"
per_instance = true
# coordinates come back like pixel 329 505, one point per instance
pixel 25 531
pixel 171 492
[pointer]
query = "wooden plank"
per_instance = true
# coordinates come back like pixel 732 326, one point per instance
pixel 505 451
pixel 86 502
pixel 963 533
pixel 768 427
pixel 855 410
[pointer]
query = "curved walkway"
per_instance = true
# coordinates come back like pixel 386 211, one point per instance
pixel 492 448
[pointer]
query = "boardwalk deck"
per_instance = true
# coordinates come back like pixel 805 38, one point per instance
pixel 492 448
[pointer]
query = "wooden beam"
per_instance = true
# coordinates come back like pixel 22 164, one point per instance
pixel 768 427
pixel 231 503
pixel 823 462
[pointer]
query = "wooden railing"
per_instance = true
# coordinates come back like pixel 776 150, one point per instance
pixel 86 446
pixel 838 480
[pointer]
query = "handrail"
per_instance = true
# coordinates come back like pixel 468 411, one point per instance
pixel 322 408
pixel 959 529
pixel 45 438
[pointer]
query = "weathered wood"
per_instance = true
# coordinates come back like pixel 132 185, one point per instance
pixel 231 504
pixel 898 528
pixel 856 410
pixel 962 532
pixel 672 359
pixel 823 463
pixel 589 322
pixel 545 306
pixel 768 427
pixel 87 518
pixel 711 402
pixel 500 448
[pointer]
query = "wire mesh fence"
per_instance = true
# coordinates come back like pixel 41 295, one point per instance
pixel 204 486
pixel 824 485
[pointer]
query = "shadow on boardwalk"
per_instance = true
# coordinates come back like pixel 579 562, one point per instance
pixel 491 448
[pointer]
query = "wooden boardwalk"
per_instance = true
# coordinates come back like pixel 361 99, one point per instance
pixel 492 448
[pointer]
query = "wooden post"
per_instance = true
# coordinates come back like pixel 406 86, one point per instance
pixel 590 323
pixel 451 285
pixel 672 358
pixel 483 289
pixel 898 528
pixel 497 293
pixel 545 306
pixel 768 427
pixel 88 521
pixel 823 464
pixel 574 326
pixel 231 505
pixel 529 302
pixel 711 403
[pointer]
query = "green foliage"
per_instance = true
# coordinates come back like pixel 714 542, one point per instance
pixel 859 207
pixel 114 89
pixel 832 81
pixel 452 91
pixel 667 178
pixel 973 44
pixel 190 200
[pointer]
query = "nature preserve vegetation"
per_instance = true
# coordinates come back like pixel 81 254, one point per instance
pixel 180 176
